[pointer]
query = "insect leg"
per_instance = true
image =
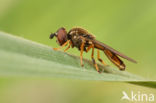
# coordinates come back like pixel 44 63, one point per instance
pixel 98 57
pixel 94 62
pixel 81 57
pixel 62 45
pixel 89 48
pixel 70 43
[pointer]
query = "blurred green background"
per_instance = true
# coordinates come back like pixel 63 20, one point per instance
pixel 127 25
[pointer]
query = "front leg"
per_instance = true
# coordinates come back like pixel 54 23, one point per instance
pixel 70 43
pixel 62 45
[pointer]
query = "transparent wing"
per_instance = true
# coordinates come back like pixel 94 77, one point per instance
pixel 103 46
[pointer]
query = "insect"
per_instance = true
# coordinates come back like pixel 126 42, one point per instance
pixel 85 41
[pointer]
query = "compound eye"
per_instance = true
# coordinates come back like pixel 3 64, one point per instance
pixel 61 36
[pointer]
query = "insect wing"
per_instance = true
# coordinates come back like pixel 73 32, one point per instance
pixel 103 46
pixel 115 59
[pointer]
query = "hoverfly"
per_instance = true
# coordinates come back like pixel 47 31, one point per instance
pixel 84 41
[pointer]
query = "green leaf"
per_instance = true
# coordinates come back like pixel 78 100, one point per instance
pixel 24 58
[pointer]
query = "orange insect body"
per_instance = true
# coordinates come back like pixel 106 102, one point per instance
pixel 84 41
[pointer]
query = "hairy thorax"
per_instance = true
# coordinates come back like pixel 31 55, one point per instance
pixel 79 35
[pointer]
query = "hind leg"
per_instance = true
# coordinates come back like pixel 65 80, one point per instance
pixel 92 56
pixel 94 62
pixel 98 57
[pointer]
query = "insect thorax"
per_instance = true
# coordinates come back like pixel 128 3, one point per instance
pixel 75 36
